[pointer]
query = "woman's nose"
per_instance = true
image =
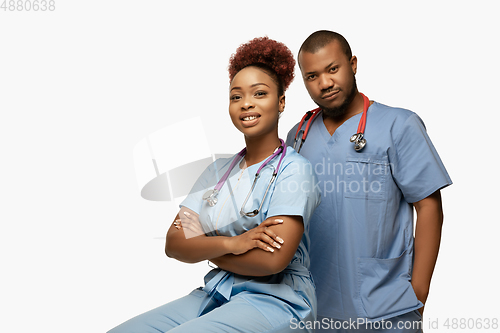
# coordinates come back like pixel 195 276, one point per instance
pixel 247 103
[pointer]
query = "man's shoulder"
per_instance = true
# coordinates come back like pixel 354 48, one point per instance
pixel 391 111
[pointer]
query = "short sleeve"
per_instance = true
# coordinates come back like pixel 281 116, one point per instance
pixel 416 165
pixel 296 192
pixel 207 179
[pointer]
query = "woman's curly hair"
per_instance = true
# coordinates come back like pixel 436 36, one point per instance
pixel 271 56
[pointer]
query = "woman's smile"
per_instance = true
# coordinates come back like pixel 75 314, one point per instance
pixel 254 103
pixel 249 119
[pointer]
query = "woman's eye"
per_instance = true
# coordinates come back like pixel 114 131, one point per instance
pixel 260 93
pixel 235 97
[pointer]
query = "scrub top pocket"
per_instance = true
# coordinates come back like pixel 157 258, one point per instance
pixel 385 288
pixel 365 176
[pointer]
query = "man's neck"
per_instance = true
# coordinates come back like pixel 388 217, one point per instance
pixel 354 108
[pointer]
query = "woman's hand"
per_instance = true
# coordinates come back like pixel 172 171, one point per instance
pixel 259 237
pixel 189 222
pixel 259 260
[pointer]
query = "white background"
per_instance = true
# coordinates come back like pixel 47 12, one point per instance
pixel 80 86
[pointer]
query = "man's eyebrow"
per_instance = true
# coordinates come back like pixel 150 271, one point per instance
pixel 326 67
pixel 331 64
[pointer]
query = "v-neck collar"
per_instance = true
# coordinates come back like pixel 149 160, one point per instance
pixel 342 128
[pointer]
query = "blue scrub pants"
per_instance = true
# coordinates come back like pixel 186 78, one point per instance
pixel 410 322
pixel 181 315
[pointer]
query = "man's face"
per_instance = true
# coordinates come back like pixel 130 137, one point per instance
pixel 329 78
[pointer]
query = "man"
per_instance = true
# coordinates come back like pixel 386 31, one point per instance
pixel 371 273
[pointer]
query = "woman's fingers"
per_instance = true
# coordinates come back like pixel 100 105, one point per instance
pixel 191 227
pixel 188 215
pixel 269 240
pixel 270 233
pixel 194 227
pixel 259 237
pixel 263 246
pixel 273 235
pixel 265 238
pixel 188 220
pixel 183 221
pixel 271 222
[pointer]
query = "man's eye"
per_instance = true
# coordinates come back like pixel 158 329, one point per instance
pixel 334 69
pixel 310 77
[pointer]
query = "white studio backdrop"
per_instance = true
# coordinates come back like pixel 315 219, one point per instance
pixel 83 84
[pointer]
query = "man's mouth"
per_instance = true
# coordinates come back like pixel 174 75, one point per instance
pixel 330 94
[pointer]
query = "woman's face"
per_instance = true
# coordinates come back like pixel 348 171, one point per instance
pixel 254 104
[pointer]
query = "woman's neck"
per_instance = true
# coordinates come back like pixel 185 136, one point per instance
pixel 260 148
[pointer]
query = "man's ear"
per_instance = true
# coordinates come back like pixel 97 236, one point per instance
pixel 354 64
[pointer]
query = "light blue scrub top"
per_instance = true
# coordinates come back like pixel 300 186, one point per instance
pixel 362 232
pixel 292 193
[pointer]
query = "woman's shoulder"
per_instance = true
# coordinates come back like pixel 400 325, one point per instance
pixel 297 164
pixel 222 162
pixel 292 157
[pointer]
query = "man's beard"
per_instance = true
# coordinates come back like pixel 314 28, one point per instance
pixel 340 110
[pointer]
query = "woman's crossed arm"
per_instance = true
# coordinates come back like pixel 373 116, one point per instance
pixel 257 252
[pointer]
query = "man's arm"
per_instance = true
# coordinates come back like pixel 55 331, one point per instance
pixel 427 241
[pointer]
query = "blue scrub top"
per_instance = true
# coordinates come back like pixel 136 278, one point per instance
pixel 362 232
pixel 292 193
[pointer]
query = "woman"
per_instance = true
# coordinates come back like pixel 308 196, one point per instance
pixel 251 226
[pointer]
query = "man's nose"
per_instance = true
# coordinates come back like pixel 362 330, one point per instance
pixel 325 82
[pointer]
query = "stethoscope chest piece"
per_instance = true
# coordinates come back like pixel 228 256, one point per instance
pixel 211 197
pixel 359 141
pixel 358 138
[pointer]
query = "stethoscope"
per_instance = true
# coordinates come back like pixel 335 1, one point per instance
pixel 211 195
pixel 358 138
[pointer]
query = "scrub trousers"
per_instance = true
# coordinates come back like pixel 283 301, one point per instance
pixel 181 315
pixel 410 322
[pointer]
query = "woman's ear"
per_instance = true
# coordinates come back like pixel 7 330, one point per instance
pixel 281 103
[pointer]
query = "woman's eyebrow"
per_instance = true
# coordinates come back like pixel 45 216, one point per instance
pixel 257 84
pixel 253 85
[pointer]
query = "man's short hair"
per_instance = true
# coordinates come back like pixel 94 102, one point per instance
pixel 319 39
